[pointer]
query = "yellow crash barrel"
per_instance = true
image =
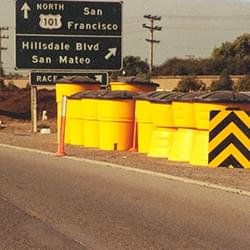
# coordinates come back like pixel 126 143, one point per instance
pixel 163 125
pixel 133 84
pixel 183 110
pixel 218 100
pixel 143 114
pixel 71 85
pixel 203 105
pixel 75 126
pixel 184 121
pixel 90 118
pixel 116 111
pixel 162 112
pixel 68 86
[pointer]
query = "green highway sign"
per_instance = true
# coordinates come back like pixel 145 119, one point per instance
pixel 68 35
pixel 72 53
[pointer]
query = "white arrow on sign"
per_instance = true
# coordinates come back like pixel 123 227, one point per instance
pixel 98 78
pixel 25 9
pixel 112 52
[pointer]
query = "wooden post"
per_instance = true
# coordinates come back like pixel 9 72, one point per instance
pixel 34 108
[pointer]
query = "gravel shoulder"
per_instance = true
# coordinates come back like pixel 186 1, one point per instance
pixel 18 133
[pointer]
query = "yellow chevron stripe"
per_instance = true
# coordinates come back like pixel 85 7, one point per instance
pixel 218 119
pixel 243 116
pixel 230 150
pixel 232 128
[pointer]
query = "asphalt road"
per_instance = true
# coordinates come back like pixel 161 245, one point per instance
pixel 56 203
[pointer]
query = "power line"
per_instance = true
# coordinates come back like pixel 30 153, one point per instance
pixel 203 29
pixel 240 29
pixel 152 28
pixel 223 17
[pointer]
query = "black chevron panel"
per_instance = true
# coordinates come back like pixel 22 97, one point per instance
pixel 231 161
pixel 232 117
pixel 231 139
pixel 213 114
pixel 231 151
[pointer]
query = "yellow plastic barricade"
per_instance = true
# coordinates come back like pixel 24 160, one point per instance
pixel 183 144
pixel 218 100
pixel 143 114
pixel 184 121
pixel 90 118
pixel 183 110
pixel 133 84
pixel 69 86
pixel 116 111
pixel 203 105
pixel 163 124
pixel 75 126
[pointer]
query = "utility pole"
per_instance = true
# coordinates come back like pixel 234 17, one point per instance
pixel 2 48
pixel 152 28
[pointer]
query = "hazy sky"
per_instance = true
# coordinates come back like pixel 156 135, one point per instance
pixel 189 27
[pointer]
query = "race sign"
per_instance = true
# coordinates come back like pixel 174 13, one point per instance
pixel 50 78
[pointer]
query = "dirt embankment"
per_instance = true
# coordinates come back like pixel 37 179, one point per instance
pixel 16 103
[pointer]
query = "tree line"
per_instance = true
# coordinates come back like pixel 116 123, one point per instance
pixel 231 58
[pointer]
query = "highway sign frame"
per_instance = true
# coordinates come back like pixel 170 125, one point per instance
pixel 103 59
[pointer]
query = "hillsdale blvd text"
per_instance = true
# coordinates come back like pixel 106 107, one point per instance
pixel 62 46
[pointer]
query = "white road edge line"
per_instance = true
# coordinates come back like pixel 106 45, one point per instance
pixel 137 170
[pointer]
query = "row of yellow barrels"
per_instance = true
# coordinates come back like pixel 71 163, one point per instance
pixel 100 118
pixel 169 124
pixel 176 125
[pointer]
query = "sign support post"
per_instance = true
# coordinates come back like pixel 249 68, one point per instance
pixel 34 108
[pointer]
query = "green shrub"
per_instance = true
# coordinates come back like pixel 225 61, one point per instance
pixel 224 83
pixel 244 84
pixel 2 84
pixel 11 86
pixel 189 83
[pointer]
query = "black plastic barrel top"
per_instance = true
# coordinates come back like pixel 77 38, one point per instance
pixel 167 97
pixel 117 94
pixel 190 96
pixel 138 81
pixel 91 94
pixel 96 93
pixel 81 94
pixel 224 96
pixel 149 95
pixel 78 79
